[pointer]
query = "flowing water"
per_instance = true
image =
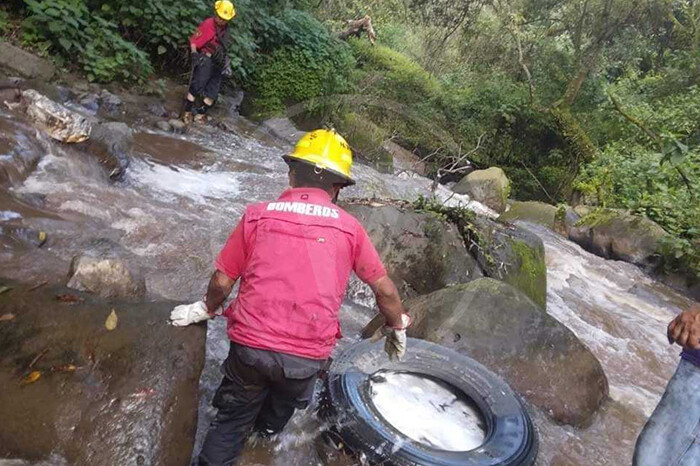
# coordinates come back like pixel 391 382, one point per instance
pixel 183 195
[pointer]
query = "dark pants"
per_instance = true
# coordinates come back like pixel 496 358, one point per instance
pixel 206 78
pixel 260 390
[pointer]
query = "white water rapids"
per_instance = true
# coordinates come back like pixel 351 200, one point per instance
pixel 173 214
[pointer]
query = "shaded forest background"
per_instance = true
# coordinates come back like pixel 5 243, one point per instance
pixel 584 101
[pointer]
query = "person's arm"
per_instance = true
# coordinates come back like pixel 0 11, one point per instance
pixel 388 301
pixel 220 286
pixel 685 329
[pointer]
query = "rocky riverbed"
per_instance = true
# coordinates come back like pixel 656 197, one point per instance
pixel 154 207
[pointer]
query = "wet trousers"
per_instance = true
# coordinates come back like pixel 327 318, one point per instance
pixel 260 390
pixel 671 436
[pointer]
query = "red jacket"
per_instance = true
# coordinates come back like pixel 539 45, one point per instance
pixel 208 35
pixel 294 257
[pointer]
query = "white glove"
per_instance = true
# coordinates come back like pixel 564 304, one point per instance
pixel 395 344
pixel 187 314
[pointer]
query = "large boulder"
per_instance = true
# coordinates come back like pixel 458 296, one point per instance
pixel 491 187
pixel 112 142
pixel 28 65
pixel 511 254
pixel 282 129
pixel 54 119
pixel 422 253
pixel 503 329
pixel 530 211
pixel 617 234
pixel 104 276
pixel 126 396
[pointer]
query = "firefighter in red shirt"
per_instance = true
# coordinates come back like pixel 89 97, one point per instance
pixel 210 61
pixel 294 257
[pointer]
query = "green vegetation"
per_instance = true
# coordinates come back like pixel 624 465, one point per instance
pixel 595 101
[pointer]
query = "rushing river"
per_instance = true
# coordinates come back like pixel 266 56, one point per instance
pixel 183 195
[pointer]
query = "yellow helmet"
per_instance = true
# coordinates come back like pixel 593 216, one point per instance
pixel 225 9
pixel 325 150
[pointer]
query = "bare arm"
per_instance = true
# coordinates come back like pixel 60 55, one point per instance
pixel 388 301
pixel 220 287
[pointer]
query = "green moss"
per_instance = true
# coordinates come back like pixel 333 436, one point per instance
pixel 597 217
pixel 366 139
pixel 532 277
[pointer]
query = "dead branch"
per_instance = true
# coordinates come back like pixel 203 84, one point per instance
pixel 355 28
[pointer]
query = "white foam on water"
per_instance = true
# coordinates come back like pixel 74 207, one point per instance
pixel 198 186
pixel 6 215
pixel 427 412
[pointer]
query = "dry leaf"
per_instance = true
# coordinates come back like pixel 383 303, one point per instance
pixel 5 289
pixel 6 317
pixel 111 322
pixel 31 378
pixel 42 238
pixel 69 298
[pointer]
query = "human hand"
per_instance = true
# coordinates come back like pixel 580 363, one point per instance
pixel 685 329
pixel 187 314
pixel 395 344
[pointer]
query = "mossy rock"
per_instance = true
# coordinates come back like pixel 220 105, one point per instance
pixel 503 329
pixel 513 255
pixel 422 252
pixel 617 234
pixel 491 187
pixel 530 211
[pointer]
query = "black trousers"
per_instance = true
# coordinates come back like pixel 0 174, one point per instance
pixel 260 390
pixel 206 78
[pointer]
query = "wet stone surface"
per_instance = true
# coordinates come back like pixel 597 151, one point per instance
pixel 81 394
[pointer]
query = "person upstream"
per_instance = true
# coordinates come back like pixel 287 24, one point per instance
pixel 671 436
pixel 293 257
pixel 210 61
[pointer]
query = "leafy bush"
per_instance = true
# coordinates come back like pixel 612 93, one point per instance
pixel 68 27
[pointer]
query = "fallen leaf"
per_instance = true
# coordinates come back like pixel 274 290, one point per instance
pixel 64 368
pixel 69 298
pixel 6 317
pixel 111 322
pixel 42 238
pixel 31 378
pixel 4 289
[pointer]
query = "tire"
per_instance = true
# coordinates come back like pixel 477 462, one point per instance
pixel 510 440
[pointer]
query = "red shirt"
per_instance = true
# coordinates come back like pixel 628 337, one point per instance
pixel 205 38
pixel 294 257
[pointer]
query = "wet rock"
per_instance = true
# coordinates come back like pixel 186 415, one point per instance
pixel 130 396
pixel 109 102
pixel 28 65
pixel 157 109
pixel 511 254
pixel 54 119
pixel 421 252
pixel 90 102
pixel 227 124
pixel 282 129
pixel 112 143
pixel 104 276
pixel 530 211
pixel 164 126
pixel 491 187
pixel 503 329
pixel 178 126
pixel 617 234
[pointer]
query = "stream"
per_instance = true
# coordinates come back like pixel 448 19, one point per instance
pixel 183 195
